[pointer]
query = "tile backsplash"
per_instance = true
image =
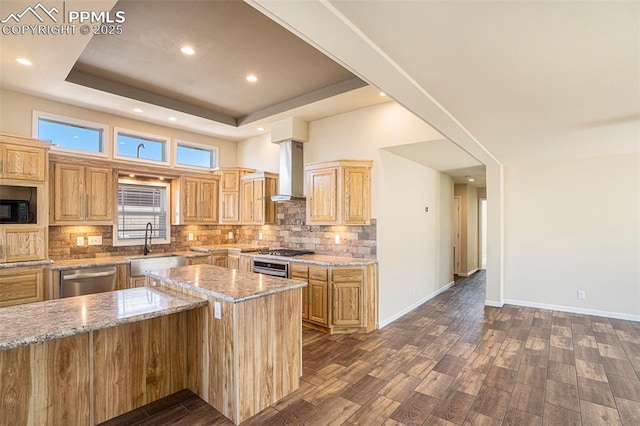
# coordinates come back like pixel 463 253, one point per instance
pixel 290 232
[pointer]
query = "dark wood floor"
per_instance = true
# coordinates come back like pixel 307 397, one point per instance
pixel 453 361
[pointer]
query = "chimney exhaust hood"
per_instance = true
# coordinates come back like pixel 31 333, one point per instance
pixel 290 133
pixel 291 179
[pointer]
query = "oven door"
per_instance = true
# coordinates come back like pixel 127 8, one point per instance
pixel 271 267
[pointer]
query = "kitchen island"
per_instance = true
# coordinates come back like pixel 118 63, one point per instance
pixel 245 348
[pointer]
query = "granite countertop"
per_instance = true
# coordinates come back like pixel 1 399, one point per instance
pixel 52 319
pixel 317 259
pixel 223 283
pixel 226 247
pixel 29 263
pixel 109 260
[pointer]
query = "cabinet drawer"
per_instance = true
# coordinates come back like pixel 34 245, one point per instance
pixel 22 286
pixel 346 275
pixel 299 271
pixel 317 273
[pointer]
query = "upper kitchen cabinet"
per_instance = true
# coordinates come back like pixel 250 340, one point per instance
pixel 23 158
pixel 338 192
pixel 24 192
pixel 230 193
pixel 195 200
pixel 82 195
pixel 255 206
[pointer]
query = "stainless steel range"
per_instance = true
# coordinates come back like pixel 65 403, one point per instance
pixel 276 267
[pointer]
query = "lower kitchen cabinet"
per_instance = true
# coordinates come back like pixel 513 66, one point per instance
pixel 339 299
pixel 246 265
pixel 199 260
pixel 21 285
pixel 219 260
pixel 233 261
pixel 137 282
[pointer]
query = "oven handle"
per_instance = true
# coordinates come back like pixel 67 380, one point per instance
pixel 267 271
pixel 90 275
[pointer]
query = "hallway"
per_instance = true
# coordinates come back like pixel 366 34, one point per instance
pixel 453 361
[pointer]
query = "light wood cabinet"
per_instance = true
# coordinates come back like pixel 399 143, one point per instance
pixel 22 162
pixel 219 259
pixel 318 295
pixel 137 282
pixel 347 291
pixel 339 192
pixel 301 272
pixel 20 243
pixel 233 260
pixel 21 285
pixel 246 264
pixel 255 206
pixel 82 194
pixel 230 193
pixel 199 260
pixel 199 200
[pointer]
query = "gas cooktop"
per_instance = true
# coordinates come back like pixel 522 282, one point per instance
pixel 286 252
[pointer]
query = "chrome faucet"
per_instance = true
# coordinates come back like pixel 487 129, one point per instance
pixel 148 231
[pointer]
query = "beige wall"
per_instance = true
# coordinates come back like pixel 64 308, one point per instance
pixel 260 154
pixel 414 247
pixel 574 225
pixel 16 112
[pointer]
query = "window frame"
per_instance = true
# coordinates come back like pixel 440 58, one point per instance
pixel 137 134
pixel 210 148
pixel 35 129
pixel 121 243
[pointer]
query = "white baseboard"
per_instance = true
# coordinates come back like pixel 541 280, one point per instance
pixel 573 310
pixel 493 303
pixel 468 274
pixel 410 308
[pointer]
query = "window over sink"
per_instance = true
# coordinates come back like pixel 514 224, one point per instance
pixel 139 203
pixel 131 145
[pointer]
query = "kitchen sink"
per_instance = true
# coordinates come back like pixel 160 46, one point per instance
pixel 145 263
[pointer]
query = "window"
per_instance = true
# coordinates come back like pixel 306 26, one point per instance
pixel 141 147
pixel 70 134
pixel 198 156
pixel 140 203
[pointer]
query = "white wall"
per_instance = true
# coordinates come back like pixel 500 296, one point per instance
pixel 414 247
pixel 16 112
pixel 574 225
pixel 260 154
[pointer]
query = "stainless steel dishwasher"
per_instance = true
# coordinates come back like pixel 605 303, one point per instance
pixel 77 282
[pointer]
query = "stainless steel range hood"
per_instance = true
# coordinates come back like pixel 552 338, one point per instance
pixel 291 179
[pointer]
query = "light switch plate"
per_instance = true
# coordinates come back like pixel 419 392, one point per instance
pixel 259 235
pixel 230 235
pixel 190 236
pixel 95 240
pixel 80 241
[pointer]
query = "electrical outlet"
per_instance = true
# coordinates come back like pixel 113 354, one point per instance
pixel 217 310
pixel 337 239
pixel 259 235
pixel 190 237
pixel 230 235
pixel 95 240
pixel 582 295
pixel 80 241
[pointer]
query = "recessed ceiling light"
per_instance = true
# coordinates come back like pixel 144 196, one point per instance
pixel 161 178
pixel 132 175
pixel 252 78
pixel 173 119
pixel 383 94
pixel 24 61
pixel 470 179
pixel 187 50
pixel 138 110
pixel 260 129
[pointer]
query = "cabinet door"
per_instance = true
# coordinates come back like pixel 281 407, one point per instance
pixel 322 195
pixel 356 195
pixel 190 199
pixel 99 194
pixel 229 211
pixel 209 204
pixel 270 209
pixel 245 264
pixel 301 272
pixel 246 199
pixel 219 260
pixel 258 202
pixel 347 304
pixel 233 262
pixel 22 162
pixel 318 302
pixel 68 193
pixel 137 282
pixel 230 180
pixel 21 285
pixel 22 243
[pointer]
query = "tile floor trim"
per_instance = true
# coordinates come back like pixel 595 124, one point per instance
pixel 571 309
pixel 410 308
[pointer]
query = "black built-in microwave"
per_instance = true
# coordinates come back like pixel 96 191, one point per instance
pixel 14 211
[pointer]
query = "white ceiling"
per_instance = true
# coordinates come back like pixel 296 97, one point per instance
pixel 508 81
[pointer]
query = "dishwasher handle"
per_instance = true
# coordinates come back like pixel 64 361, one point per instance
pixel 90 275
